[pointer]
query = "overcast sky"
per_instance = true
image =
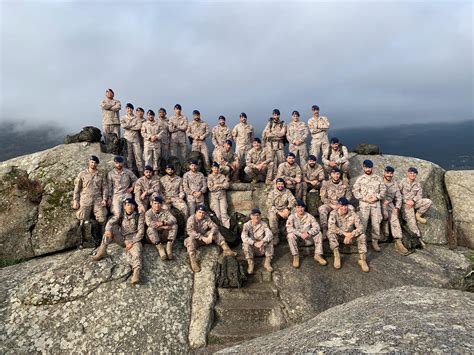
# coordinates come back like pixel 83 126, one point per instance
pixel 363 62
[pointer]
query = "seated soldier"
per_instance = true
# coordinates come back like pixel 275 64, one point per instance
pixel 257 239
pixel 258 162
pixel 229 161
pixel 202 230
pixel 194 186
pixel 303 227
pixel 127 230
pixel 345 223
pixel 218 184
pixel 162 228
pixel 313 176
pixel 336 156
pixel 145 187
pixel 173 190
pixel 290 171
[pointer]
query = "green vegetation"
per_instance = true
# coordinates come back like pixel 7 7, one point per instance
pixel 10 262
pixel 212 340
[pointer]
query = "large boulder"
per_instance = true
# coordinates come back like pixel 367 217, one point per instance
pixel 87 134
pixel 460 186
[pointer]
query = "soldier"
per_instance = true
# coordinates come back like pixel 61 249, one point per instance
pixel 202 230
pixel 369 189
pixel 337 156
pixel 291 173
pixel 198 131
pixel 140 116
pixel 414 205
pixel 110 114
pixel 90 194
pixel 257 239
pixel 274 136
pixel 127 231
pixel 280 203
pixel 220 134
pixel 331 191
pixel 178 127
pixel 145 187
pixel 242 134
pixel 258 163
pixel 121 182
pixel 392 202
pixel 132 126
pixel 303 227
pixel 296 133
pixel 313 176
pixel 228 161
pixel 318 126
pixel 218 184
pixel 152 133
pixel 344 222
pixel 194 186
pixel 165 138
pixel 162 228
pixel 173 190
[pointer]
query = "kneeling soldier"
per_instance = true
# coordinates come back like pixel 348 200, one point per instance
pixel 303 226
pixel 162 228
pixel 344 222
pixel 202 230
pixel 257 239
pixel 127 231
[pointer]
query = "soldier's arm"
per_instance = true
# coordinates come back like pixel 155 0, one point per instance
pixel 321 175
pixel 123 122
pixel 117 106
pixel 332 224
pixel 397 199
pixel 270 205
pixel 248 161
pixel 382 190
pixel 281 133
pixel 133 178
pixel 359 227
pixel 417 192
pixel 182 124
pixel 245 235
pixel 299 173
pixel 290 226
pixel 214 138
pixel 225 185
pixel 77 188
pixel 357 189
pixel 323 193
pixel 206 132
pixel 203 184
pixel 268 235
pixel 324 123
pixel 145 134
pixel 305 133
pixel 110 183
pixel 312 127
pixel 185 184
pixel 181 190
pixel 314 227
pixel 136 124
pixel 252 134
pixel 112 221
pixel 291 201
pixel 190 229
pixel 325 158
pixel 106 105
pixel 345 156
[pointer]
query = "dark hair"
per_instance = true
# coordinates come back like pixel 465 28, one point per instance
pixel 196 112
pixel 221 118
pixel 276 111
pixel 177 106
pixel 129 105
pixel 315 107
pixel 243 114
pixel 110 91
pixel 295 113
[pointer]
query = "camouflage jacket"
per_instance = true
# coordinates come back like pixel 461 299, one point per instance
pixel 350 222
pixel 253 233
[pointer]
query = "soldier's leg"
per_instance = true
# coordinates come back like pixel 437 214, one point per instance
pixel 181 206
pixel 375 219
pixel 191 245
pixel 153 236
pixel 362 243
pixel 280 156
pixel 184 149
pixel 116 207
pixel 102 251
pixel 324 142
pixel 191 204
pixel 324 211
pixel 137 151
pixel 223 211
pixel 135 253
pixel 116 129
pixel 248 251
pixel 250 173
pixel 174 148
pixel 421 206
pixel 100 213
pixel 219 240
pixel 318 243
pixel 148 154
pixel 156 158
pixel 215 206
pixel 205 152
pixel 395 225
pixel 130 155
pixel 334 245
pixel 292 243
pixel 270 173
pixel 345 171
pixel 298 190
pixel 273 224
pixel 386 211
pixel 408 214
pixel 364 215
pixel 303 152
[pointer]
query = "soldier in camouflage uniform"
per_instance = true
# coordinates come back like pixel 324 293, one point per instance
pixel 110 114
pixel 121 183
pixel 392 202
pixel 337 156
pixel 152 133
pixel 228 161
pixel 257 239
pixel 173 191
pixel 202 230
pixel 303 227
pixel 318 127
pixel 313 176
pixel 242 134
pixel 218 184
pixel 198 130
pixel 132 126
pixel 127 231
pixel 345 223
pixel 220 134
pixel 296 134
pixel 369 189
pixel 178 126
pixel 166 137
pixel 145 187
pixel 258 163
pixel 274 137
pixel 280 204
pixel 290 171
pixel 162 228
pixel 194 186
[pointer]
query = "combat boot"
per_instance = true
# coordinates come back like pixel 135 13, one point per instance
pixel 136 276
pixel 101 252
pixel 296 261
pixel 400 247
pixel 363 263
pixel 161 251
pixel 319 259
pixel 169 250
pixel 194 264
pixel 419 218
pixel 337 258
pixel 227 251
pixel 250 267
pixel 375 245
pixel 267 264
pixel 423 244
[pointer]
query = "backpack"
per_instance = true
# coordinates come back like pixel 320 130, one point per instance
pixel 230 273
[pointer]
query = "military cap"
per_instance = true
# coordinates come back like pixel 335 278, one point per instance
pixel 196 112
pixel 343 201
pixel 315 107
pixel 118 159
pixel 334 140
pixel 312 157
pixel 335 170
pixel 413 170
pixel 300 203
pixel 195 162
pixel 140 109
pixel 389 169
pixel 94 158
pixel 291 155
pixel 295 113
pixel 148 167
pixel 110 91
pixel 255 211
pixel 276 111
pixel 178 107
pixel 280 180
pixel 158 199
pixel 258 140
pixel 151 112
pixel 221 118
pixel 215 164
pixel 162 110
pixel 130 200
pixel 201 208
pixel 129 105
pixel 243 114
pixel 169 166
pixel 368 163
pixel 229 142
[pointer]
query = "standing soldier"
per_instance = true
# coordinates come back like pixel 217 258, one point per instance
pixel 162 228
pixel 127 231
pixel 228 161
pixel 202 230
pixel 318 126
pixel 165 138
pixel 90 194
pixel 291 173
pixel 132 126
pixel 392 202
pixel 152 133
pixel 304 227
pixel 274 136
pixel 218 184
pixel 280 203
pixel 220 134
pixel 173 190
pixel 296 134
pixel 257 239
pixel 121 182
pixel 110 114
pixel 258 163
pixel 313 176
pixel 337 156
pixel 194 186
pixel 414 205
pixel 178 127
pixel 369 189
pixel 145 187
pixel 140 116
pixel 198 131
pixel 242 134
pixel 331 191
pixel 344 222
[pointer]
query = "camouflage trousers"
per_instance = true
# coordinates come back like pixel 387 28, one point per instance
pixel 273 219
pixel 324 211
pixel 232 172
pixel 179 204
pixel 152 154
pixel 319 143
pixel 294 240
pixel 390 222
pixel 296 189
pixel 165 150
pixel 421 206
pixel 155 236
pixel 361 241
pixel 300 152
pixel 278 157
pixel 241 152
pixel 250 251
pixel 259 175
pixel 201 147
pixel 371 212
pixel 218 203
pixel 193 202
pixel 117 202
pixel 192 244
pixel 134 254
pixel 110 128
pixel 134 154
pixel 84 212
pixel 180 144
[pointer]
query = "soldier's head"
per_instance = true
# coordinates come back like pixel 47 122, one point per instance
pixel 280 184
pixel 335 174
pixel 315 109
pixel 161 112
pixel 257 143
pixel 227 145
pixel 193 166
pixel 255 216
pixel 118 162
pixel 221 121
pixel 93 162
pixel 215 167
pixel 150 115
pixel 140 112
pixel 156 203
pixel 129 108
pixel 388 173
pixel 343 205
pixel 177 110
pixel 276 115
pixel 412 173
pixel 196 115
pixel 169 169
pixel 201 212
pixel 290 158
pixel 300 207
pixel 109 93
pixel 148 172
pixel 295 116
pixel 368 166
pixel 129 205
pixel 312 161
pixel 334 143
pixel 243 117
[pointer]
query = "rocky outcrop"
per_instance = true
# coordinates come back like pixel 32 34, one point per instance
pixel 87 134
pixel 460 186
pixel 399 320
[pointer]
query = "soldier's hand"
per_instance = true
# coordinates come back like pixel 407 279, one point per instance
pixel 395 211
pixel 297 180
pixel 258 244
pixel 128 246
pixel 386 202
pixel 285 213
pixel 108 234
pixel 75 205
pixel 141 209
pixel 410 203
pixel 347 240
pixel 304 235
pixel 143 195
pixel 109 202
pixel 207 240
pixel 332 163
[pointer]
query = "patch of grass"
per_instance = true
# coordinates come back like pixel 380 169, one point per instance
pixel 10 262
pixel 212 340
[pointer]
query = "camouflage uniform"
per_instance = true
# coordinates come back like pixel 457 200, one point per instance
pixel 218 185
pixel 219 135
pixel 194 182
pixel 200 129
pixel 157 236
pixel 298 131
pixel 370 186
pixel 165 138
pixel 89 191
pixel 289 173
pixel 394 197
pixel 413 191
pixel 173 189
pixel 295 226
pixel 253 233
pixel 229 163
pixel 151 186
pixel 132 126
pixel 119 182
pixel 152 150
pixel 243 135
pixel 255 157
pixel 312 174
pixel 330 193
pixel 274 136
pixel 319 134
pixel 177 128
pixel 110 117
pixel 197 230
pixel 341 157
pixel 278 201
pixel 350 222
